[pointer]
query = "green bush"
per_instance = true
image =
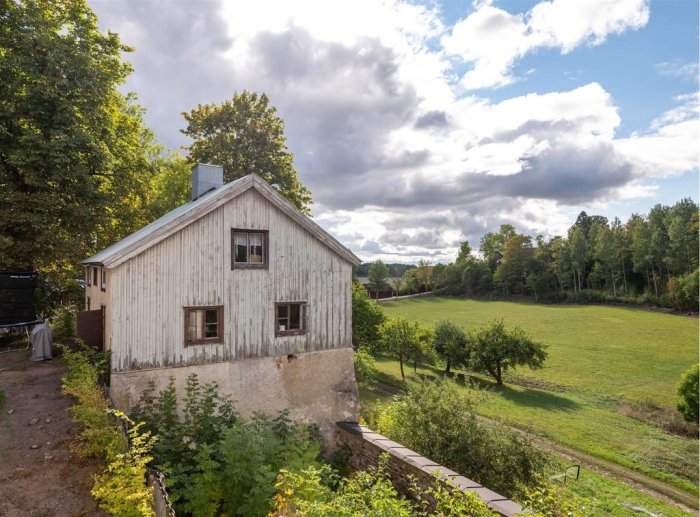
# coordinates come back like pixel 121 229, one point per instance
pixel 688 392
pixel 549 500
pixel 438 421
pixel 367 316
pixel 121 490
pixel 215 462
pixel 64 323
pixel 366 371
pixel 99 435
pixel 370 492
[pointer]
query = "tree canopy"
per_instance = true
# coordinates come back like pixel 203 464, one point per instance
pixel 74 151
pixel 245 136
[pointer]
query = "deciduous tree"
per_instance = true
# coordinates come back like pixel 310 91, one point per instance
pixel 245 135
pixel 495 349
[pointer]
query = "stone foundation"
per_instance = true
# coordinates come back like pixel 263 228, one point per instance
pixel 317 387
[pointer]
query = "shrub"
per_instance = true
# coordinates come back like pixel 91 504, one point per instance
pixel 438 421
pixel 64 324
pixel 367 316
pixel 99 436
pixel 122 490
pixel 366 371
pixel 216 462
pixel 549 500
pixel 688 392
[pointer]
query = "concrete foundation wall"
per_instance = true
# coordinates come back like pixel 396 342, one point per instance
pixel 317 387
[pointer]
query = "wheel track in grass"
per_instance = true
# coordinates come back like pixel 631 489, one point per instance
pixel 646 484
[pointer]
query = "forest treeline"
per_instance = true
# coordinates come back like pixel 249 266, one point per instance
pixel 651 259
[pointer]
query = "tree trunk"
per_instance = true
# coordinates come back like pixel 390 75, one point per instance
pixel 624 274
pixel 499 378
pixel 403 377
pixel 447 367
pixel 612 273
pixel 653 273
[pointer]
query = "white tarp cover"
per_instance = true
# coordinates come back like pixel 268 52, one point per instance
pixel 41 339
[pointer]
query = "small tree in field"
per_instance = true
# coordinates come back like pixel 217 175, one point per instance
pixel 378 273
pixel 495 349
pixel 688 391
pixel 366 318
pixel 450 343
pixel 401 339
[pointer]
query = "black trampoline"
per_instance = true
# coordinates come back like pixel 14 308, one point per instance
pixel 17 310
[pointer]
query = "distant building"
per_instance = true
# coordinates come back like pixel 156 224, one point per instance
pixel 392 284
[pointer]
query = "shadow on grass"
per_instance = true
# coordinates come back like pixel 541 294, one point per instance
pixel 527 396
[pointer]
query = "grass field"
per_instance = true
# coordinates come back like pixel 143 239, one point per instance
pixel 602 362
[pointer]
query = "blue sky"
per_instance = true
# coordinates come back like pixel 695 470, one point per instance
pixel 418 125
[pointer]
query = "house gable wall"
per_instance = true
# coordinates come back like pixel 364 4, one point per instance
pixel 193 268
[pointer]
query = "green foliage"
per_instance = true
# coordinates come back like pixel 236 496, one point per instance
pixel 245 135
pixel 550 500
pixel 64 323
pixel 688 392
pixel 366 372
pixel 495 349
pixel 683 291
pixel 74 151
pixel 403 340
pixel 378 273
pixel 99 435
pixel 122 489
pixel 170 185
pixel 215 462
pixel 451 502
pixel 438 421
pixel 367 316
pixel 369 492
pixel 451 344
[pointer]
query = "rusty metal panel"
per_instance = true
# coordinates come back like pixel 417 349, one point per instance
pixel 91 328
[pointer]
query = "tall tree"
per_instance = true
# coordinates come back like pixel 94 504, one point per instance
pixel 74 152
pixel 517 254
pixel 579 254
pixel 491 245
pixel 378 273
pixel 245 135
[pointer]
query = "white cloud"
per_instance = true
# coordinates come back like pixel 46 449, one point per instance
pixel 679 68
pixel 401 163
pixel 492 40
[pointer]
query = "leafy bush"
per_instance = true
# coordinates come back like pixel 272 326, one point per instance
pixel 366 371
pixel 368 492
pixel 550 501
pixel 99 436
pixel 683 291
pixel 121 490
pixel 64 323
pixel 688 391
pixel 438 421
pixel 367 316
pixel 216 462
pixel 405 341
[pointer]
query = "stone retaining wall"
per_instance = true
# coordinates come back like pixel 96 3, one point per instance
pixel 366 446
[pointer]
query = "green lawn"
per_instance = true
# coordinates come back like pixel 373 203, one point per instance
pixel 599 358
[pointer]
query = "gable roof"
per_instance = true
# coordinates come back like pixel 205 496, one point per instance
pixel 174 221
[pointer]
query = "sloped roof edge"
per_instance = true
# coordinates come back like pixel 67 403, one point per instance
pixel 173 221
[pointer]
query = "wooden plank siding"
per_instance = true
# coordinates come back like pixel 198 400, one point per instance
pixel 193 268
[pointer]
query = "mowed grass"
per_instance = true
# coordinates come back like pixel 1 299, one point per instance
pixel 599 359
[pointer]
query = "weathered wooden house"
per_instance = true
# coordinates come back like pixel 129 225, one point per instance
pixel 237 286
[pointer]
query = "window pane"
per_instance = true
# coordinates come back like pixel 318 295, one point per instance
pixel 191 325
pixel 256 248
pixel 294 316
pixel 240 247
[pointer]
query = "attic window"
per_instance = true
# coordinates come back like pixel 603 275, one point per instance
pixel 291 318
pixel 249 248
pixel 104 280
pixel 204 325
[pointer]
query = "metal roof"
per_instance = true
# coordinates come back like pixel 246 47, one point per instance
pixel 184 215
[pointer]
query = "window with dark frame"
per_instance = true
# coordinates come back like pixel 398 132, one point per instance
pixel 204 325
pixel 94 276
pixel 291 318
pixel 249 248
pixel 87 276
pixel 104 280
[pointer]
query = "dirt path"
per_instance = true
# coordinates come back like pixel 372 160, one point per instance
pixel 39 475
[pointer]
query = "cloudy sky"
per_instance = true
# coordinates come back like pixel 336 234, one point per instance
pixel 420 124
